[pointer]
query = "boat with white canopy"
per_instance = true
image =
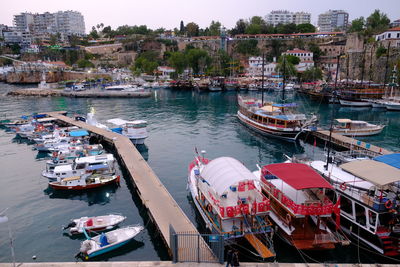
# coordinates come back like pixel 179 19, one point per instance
pixel 135 130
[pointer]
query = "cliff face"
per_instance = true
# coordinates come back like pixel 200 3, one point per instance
pixel 362 63
pixel 51 77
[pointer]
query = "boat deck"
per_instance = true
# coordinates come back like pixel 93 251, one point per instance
pixel 162 207
pixel 350 143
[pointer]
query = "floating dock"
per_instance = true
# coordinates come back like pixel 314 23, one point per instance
pixel 163 209
pixel 349 143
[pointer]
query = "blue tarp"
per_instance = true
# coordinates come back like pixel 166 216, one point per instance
pixel 285 105
pixel 78 133
pixel 117 130
pixel 96 167
pixel 390 159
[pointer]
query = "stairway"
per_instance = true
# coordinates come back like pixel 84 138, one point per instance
pixel 390 246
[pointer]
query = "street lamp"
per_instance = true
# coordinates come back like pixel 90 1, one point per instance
pixel 4 219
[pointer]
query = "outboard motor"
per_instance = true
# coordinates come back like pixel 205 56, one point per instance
pixel 71 224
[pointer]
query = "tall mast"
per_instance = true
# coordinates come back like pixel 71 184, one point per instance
pixel 262 80
pixel 370 66
pixel 284 74
pixel 363 68
pixel 334 94
pixel 387 65
pixel 347 69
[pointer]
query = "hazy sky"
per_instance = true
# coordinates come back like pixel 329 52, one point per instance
pixel 169 13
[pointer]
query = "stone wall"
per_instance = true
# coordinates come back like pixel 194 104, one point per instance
pixel 51 77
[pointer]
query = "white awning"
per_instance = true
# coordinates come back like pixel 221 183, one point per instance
pixel 374 171
pixel 343 120
pixel 223 172
pixel 117 121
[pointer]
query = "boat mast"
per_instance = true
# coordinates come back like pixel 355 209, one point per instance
pixel 347 69
pixel 283 82
pixel 370 66
pixel 386 66
pixel 262 80
pixel 363 68
pixel 334 95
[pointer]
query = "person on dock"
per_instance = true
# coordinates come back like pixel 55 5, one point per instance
pixel 235 258
pixel 229 255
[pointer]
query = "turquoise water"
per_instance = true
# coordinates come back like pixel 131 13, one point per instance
pixel 179 121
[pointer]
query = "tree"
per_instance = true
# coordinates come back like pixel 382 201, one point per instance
pixel 53 39
pixel 94 34
pixel 198 60
pixel 192 29
pixel 83 63
pixel 240 27
pixel 247 47
pixel 357 25
pixel 215 28
pixel 286 68
pixel 380 51
pixel 178 61
pixel 317 53
pixel 182 28
pixel 291 59
pixel 107 31
pixel 377 22
pixel 305 28
pixel 142 64
pixel 312 74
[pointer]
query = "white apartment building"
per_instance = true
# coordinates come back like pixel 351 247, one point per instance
pixel 332 20
pixel 14 37
pixel 285 17
pixel 70 22
pixel 306 58
pixel 23 22
pixel 255 67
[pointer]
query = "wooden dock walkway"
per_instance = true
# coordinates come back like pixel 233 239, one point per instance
pixel 162 207
pixel 350 143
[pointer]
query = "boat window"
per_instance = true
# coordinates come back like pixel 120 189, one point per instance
pixel 372 219
pixel 346 205
pixel 64 173
pixel 360 215
pixel 80 166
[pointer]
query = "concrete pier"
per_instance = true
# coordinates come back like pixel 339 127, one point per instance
pixel 93 93
pixel 349 143
pixel 163 209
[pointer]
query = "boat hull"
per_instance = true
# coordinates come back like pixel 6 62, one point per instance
pixel 58 186
pixel 360 133
pixel 349 103
pixel 393 107
pixel 269 131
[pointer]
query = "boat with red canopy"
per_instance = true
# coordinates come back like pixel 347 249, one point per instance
pixel 300 206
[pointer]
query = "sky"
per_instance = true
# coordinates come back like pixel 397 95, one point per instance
pixel 168 13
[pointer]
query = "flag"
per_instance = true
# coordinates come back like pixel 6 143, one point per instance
pixel 3 219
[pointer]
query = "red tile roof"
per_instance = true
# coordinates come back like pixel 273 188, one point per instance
pixel 297 51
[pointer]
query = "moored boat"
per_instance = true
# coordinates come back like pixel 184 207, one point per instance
pixel 300 207
pixel 226 196
pixel 94 223
pixel 85 182
pixel 107 242
pixel 349 127
pixel 135 130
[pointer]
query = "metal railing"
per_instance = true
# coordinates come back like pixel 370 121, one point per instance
pixel 196 247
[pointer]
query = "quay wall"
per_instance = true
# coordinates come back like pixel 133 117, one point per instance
pixel 94 93
pixel 35 76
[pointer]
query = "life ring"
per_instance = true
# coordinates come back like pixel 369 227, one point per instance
pixel 209 208
pixel 388 204
pixel 343 186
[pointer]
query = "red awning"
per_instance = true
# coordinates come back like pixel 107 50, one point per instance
pixel 297 175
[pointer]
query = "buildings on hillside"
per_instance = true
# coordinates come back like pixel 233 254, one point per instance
pixel 29 28
pixel 333 20
pixel 306 58
pixel 391 36
pixel 285 17
pixel 255 67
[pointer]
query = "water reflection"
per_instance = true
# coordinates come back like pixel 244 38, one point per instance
pixel 98 196
pixel 144 151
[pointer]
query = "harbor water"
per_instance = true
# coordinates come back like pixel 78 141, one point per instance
pixel 178 121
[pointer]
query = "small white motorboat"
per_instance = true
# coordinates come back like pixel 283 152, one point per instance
pixel 349 127
pixel 96 223
pixel 135 130
pixel 107 242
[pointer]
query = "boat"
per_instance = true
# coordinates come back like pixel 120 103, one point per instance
pixel 392 105
pixel 226 196
pixel 349 127
pixel 135 130
pixel 300 207
pixel 109 241
pixel 368 191
pixel 95 223
pixel 92 164
pixel 272 119
pixel 124 87
pixel 85 182
pixel 360 95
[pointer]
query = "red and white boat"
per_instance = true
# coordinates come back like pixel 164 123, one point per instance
pixel 228 200
pixel 95 223
pixel 85 181
pixel 300 206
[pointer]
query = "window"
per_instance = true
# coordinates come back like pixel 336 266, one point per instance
pixel 360 215
pixel 346 205
pixel 371 219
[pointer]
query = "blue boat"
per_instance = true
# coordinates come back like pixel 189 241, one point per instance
pixel 109 241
